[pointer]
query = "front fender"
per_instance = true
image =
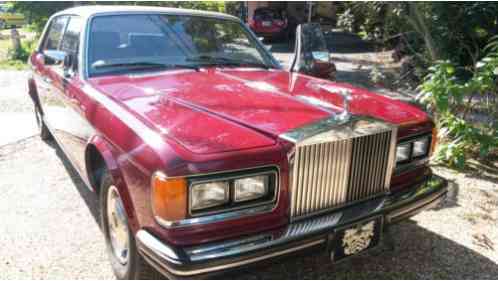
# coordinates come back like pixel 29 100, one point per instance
pixel 110 156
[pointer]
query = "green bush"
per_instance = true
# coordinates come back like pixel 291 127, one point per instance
pixel 22 54
pixel 453 100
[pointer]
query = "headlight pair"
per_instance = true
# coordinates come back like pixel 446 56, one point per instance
pixel 413 149
pixel 231 192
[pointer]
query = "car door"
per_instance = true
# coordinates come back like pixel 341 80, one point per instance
pixel 74 129
pixel 44 70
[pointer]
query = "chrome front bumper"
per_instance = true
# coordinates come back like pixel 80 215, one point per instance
pixel 298 236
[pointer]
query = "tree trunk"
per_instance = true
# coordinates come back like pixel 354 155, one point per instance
pixel 417 20
pixel 16 40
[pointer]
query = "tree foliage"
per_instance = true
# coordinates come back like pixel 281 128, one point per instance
pixel 449 30
pixel 453 100
pixel 39 12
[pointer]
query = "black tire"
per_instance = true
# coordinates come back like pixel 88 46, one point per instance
pixel 43 130
pixel 136 267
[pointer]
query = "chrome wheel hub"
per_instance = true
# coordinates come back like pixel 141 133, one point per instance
pixel 117 226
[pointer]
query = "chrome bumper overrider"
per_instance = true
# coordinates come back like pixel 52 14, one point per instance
pixel 297 236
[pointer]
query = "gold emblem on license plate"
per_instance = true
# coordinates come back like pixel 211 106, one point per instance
pixel 358 239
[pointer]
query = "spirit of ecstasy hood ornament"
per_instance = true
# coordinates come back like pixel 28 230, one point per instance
pixel 345 115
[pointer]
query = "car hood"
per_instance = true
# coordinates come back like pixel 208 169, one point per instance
pixel 225 109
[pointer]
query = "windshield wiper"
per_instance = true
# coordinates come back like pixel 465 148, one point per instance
pixel 143 65
pixel 212 60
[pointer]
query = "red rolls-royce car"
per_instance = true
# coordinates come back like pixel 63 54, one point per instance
pixel 208 156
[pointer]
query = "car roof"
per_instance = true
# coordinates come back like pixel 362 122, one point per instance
pixel 91 10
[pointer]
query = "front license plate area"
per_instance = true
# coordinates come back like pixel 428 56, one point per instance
pixel 356 238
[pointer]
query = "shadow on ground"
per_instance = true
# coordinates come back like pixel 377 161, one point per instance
pixel 90 198
pixel 423 255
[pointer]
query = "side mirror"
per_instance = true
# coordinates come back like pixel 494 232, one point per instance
pixel 53 57
pixel 311 55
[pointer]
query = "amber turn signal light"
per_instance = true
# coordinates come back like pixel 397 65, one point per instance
pixel 169 197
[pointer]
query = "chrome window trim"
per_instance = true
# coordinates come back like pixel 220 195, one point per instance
pixel 245 211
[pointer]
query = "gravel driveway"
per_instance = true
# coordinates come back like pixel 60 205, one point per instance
pixel 49 230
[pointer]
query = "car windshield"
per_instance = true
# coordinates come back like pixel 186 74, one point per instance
pixel 120 43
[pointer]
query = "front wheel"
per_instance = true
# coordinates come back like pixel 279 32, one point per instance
pixel 125 260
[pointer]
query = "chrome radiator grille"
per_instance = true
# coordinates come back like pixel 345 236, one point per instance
pixel 334 170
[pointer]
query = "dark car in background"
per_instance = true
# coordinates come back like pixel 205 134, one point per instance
pixel 270 23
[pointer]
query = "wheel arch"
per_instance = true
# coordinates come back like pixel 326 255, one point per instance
pixel 100 155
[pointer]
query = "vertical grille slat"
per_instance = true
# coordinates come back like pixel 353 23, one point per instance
pixel 330 174
pixel 323 181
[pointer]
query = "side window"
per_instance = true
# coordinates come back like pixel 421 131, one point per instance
pixel 54 33
pixel 70 41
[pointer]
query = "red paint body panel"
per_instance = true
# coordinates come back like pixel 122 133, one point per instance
pixel 228 104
